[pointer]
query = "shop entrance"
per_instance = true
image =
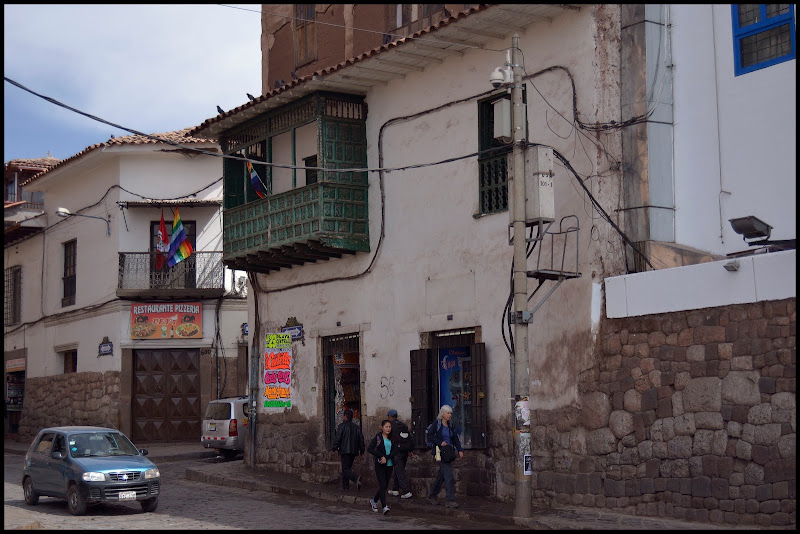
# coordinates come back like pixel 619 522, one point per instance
pixel 342 380
pixel 15 392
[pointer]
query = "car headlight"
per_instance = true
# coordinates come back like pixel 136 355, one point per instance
pixel 94 477
pixel 152 473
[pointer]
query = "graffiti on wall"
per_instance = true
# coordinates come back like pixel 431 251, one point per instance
pixel 278 371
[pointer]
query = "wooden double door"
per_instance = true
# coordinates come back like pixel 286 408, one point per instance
pixel 165 400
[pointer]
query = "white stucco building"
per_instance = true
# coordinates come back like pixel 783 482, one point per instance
pixel 386 237
pixel 79 333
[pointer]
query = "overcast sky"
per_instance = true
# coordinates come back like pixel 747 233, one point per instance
pixel 150 68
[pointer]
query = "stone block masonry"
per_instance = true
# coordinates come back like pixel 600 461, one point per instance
pixel 70 399
pixel 690 415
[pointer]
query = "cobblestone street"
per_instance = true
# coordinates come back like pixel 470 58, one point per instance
pixel 187 505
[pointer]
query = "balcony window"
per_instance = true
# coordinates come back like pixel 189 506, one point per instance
pixel 182 274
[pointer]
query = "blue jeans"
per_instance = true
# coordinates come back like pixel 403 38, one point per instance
pixel 445 475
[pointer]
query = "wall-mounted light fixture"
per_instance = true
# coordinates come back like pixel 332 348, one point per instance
pixel 731 266
pixel 751 228
pixel 64 212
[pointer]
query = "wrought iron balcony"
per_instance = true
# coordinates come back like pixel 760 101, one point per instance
pixel 147 275
pixel 315 222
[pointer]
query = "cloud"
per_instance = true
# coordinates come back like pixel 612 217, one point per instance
pixel 151 68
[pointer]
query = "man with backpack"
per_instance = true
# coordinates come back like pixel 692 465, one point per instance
pixel 401 438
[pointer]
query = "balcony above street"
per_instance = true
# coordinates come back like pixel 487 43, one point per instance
pixel 146 275
pixel 308 224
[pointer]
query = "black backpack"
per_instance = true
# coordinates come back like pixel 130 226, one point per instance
pixel 405 441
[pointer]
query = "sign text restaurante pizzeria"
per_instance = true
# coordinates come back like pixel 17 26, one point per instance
pixel 165 308
pixel 173 320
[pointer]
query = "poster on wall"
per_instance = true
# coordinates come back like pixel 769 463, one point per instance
pixel 160 320
pixel 455 388
pixel 278 371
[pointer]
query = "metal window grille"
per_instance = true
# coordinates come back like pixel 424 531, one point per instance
pixel 453 338
pixel 12 307
pixel 492 166
pixel 69 279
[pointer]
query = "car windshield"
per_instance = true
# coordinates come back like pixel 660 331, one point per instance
pixel 100 443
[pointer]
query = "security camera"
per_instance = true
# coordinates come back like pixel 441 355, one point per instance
pixel 501 76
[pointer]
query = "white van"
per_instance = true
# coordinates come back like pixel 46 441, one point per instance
pixel 225 426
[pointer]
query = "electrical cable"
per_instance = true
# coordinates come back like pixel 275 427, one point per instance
pixel 244 159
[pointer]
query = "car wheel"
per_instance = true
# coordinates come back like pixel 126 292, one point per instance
pixel 150 505
pixel 75 501
pixel 229 454
pixel 31 497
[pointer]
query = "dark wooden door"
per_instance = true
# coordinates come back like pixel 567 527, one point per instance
pixel 166 395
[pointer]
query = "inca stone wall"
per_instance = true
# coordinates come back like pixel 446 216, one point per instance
pixel 70 399
pixel 688 415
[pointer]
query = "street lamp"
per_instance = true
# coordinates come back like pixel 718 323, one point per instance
pixel 64 212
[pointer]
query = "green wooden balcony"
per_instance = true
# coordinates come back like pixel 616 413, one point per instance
pixel 313 223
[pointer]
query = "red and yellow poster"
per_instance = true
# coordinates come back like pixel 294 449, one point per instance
pixel 278 371
pixel 162 320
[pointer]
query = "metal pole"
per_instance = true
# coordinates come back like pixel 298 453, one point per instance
pixel 521 409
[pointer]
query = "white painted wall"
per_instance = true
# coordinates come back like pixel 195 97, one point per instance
pixel 96 182
pixel 436 258
pixel 735 136
pixel 759 278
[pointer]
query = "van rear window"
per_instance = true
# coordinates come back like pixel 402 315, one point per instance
pixel 218 410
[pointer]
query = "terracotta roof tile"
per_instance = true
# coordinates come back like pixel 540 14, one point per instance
pixel 43 163
pixel 343 64
pixel 179 136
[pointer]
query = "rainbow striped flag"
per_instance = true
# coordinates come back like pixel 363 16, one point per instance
pixel 256 181
pixel 179 246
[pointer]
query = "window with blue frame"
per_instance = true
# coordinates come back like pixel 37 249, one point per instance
pixel 763 35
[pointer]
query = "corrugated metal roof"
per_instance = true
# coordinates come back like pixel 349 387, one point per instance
pixel 474 28
pixel 156 203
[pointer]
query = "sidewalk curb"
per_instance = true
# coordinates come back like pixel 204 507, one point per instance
pixel 412 507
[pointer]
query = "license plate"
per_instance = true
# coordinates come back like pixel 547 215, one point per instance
pixel 127 495
pixel 212 426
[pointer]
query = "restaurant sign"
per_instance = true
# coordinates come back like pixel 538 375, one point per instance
pixel 167 320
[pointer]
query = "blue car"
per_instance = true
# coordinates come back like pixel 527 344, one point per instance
pixel 88 465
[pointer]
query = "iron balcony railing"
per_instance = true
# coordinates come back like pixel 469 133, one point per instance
pixel 149 270
pixel 308 223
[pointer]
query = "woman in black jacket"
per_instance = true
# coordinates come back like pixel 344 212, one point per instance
pixel 381 447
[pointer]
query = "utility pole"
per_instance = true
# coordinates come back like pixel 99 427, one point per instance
pixel 521 378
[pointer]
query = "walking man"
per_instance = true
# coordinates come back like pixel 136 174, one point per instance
pixel 349 443
pixel 401 438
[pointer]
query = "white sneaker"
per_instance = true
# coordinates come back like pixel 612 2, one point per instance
pixel 406 495
pixel 385 510
pixel 394 493
pixel 374 505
